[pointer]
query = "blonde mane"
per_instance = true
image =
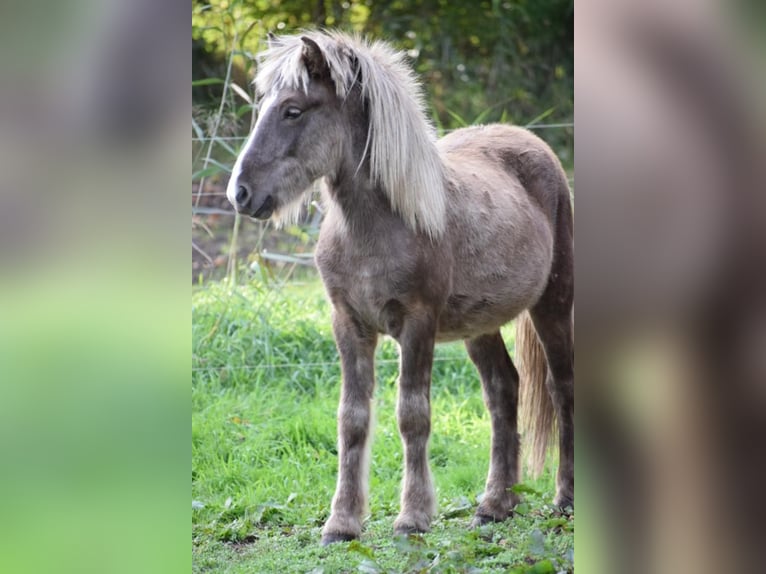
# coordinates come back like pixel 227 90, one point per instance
pixel 404 160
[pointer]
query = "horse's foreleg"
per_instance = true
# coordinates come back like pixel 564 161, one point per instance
pixel 357 350
pixel 500 383
pixel 413 411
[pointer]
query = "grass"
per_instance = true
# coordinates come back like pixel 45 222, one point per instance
pixel 265 386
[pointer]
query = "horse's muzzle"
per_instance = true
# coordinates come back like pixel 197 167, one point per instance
pixel 245 204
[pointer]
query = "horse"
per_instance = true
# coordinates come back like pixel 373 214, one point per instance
pixel 424 240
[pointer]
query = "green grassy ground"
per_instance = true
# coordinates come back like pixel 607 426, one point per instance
pixel 265 386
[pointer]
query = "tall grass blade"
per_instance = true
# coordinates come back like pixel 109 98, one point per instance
pixel 541 117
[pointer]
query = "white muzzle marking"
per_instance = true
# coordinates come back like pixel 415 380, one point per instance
pixel 231 188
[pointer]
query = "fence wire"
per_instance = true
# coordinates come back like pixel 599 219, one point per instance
pixel 312 365
pixel 242 138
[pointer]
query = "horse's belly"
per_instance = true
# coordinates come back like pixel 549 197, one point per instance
pixel 490 290
pixel 467 316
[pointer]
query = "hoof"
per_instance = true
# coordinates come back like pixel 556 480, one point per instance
pixel 333 537
pixel 563 502
pixel 404 526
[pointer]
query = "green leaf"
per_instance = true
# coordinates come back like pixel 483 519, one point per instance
pixel 221 166
pixel 552 523
pixel 243 109
pixel 542 567
pixel 438 123
pixel 198 130
pixel 483 116
pixel 524 489
pixel 458 507
pixel 521 509
pixel 455 116
pixel 359 548
pixel 226 146
pixel 207 172
pixel 542 116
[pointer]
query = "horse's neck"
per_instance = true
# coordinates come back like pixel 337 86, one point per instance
pixel 362 205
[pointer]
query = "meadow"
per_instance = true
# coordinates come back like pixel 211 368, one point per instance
pixel 265 387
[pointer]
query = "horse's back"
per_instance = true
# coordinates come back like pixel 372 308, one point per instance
pixel 516 152
pixel 502 188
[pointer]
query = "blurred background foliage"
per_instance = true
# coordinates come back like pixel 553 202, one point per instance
pixel 481 61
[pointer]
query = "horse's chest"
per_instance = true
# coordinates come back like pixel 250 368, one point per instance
pixel 367 284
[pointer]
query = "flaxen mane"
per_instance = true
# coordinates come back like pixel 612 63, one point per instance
pixel 400 145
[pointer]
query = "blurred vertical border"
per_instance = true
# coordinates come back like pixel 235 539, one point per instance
pixel 671 286
pixel 94 315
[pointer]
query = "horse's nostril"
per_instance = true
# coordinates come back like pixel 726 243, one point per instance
pixel 243 195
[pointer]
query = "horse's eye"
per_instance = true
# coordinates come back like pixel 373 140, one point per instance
pixel 292 112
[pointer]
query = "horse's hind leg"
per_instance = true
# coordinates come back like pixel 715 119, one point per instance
pixel 500 383
pixel 555 334
pixel 552 318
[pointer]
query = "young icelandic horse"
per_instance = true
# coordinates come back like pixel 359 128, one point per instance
pixel 425 241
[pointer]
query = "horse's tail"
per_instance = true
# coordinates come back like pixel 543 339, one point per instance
pixel 537 414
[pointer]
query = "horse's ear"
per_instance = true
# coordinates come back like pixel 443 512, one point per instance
pixel 313 57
